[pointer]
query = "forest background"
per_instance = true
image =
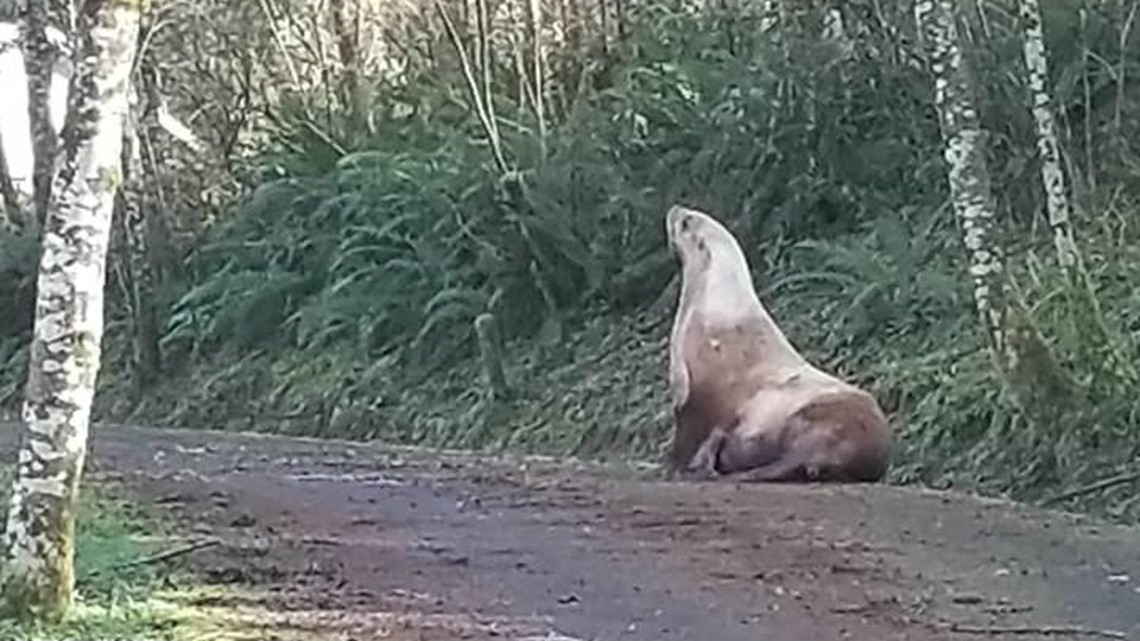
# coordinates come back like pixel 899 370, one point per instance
pixel 327 195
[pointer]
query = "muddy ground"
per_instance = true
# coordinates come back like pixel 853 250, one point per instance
pixel 337 540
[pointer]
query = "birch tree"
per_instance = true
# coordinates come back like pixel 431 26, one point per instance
pixel 538 54
pixel 1056 197
pixel 1109 347
pixel 38 575
pixel 21 112
pixel 9 201
pixel 1039 386
pixel 137 273
pixel 137 208
pixel 964 152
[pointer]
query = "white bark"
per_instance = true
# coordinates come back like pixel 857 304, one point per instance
pixel 1053 177
pixel 539 59
pixel 964 143
pixel 15 121
pixel 9 199
pixel 180 132
pixel 39 547
pixel 40 58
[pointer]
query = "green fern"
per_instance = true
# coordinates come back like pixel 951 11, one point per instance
pixel 362 255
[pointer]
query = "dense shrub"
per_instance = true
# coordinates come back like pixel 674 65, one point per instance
pixel 353 265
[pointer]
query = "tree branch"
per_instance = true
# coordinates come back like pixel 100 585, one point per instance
pixel 1103 484
pixel 173 126
pixel 485 112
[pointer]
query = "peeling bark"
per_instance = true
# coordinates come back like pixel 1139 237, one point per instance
pixel 38 578
pixel 1040 387
pixel 964 151
pixel 1052 176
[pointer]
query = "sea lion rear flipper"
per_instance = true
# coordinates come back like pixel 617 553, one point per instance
pixel 787 468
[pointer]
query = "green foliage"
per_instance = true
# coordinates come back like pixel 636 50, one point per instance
pixel 349 272
pixel 400 244
pixel 116 600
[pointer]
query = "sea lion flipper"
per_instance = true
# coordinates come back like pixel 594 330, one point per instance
pixel 786 468
pixel 703 465
pixel 678 379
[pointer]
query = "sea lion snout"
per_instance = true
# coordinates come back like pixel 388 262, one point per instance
pixel 677 214
pixel 677 220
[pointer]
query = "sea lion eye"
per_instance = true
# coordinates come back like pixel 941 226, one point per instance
pixel 685 223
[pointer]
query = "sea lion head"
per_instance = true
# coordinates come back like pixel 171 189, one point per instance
pixel 696 237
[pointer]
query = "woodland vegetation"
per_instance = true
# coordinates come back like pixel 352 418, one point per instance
pixel 325 197
pixel 123 596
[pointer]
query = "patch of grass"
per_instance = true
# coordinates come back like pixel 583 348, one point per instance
pixel 116 597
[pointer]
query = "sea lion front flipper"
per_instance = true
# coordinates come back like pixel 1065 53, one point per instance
pixel 678 376
pixel 703 465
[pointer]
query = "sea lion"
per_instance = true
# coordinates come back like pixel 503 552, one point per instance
pixel 746 404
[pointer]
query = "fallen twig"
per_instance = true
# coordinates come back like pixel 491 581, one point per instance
pixel 1103 484
pixel 1048 630
pixel 682 521
pixel 167 554
pixel 1008 609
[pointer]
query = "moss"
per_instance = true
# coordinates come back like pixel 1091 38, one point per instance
pixel 117 599
pixel 46 596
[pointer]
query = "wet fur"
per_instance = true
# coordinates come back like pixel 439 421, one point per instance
pixel 747 405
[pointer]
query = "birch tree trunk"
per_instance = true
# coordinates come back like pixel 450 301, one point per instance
pixel 1040 387
pixel 1056 196
pixel 9 201
pixel 39 59
pixel 132 209
pixel 137 210
pixel 964 151
pixel 38 575
pixel 538 53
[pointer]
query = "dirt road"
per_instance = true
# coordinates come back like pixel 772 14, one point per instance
pixel 336 540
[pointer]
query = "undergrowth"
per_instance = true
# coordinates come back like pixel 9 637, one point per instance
pixel 117 596
pixel 904 329
pixel 336 296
